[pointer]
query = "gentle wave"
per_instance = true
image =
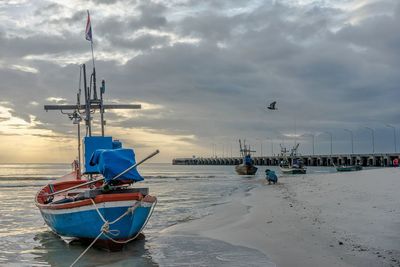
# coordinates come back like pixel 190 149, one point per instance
pixel 25 178
pixel 19 186
pixel 179 177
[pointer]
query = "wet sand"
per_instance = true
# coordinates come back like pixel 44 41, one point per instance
pixel 340 219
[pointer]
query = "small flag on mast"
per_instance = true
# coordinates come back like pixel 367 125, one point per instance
pixel 88 32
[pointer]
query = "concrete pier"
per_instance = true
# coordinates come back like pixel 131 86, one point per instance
pixel 367 160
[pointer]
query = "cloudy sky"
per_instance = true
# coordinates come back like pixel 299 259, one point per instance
pixel 203 72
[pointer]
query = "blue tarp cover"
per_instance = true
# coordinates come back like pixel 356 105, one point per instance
pixel 248 160
pixel 112 162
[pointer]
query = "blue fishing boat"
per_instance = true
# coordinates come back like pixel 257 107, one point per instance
pixel 291 164
pixel 107 211
pixel 349 168
pixel 99 202
pixel 247 167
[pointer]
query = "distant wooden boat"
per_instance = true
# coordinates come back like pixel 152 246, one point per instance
pixel 349 168
pixel 296 167
pixel 243 169
pixel 292 170
pixel 247 167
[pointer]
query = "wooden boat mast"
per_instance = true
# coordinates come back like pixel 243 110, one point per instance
pixel 245 150
pixel 78 111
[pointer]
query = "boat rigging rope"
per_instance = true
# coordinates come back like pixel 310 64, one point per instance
pixel 83 253
pixel 105 228
pixel 129 240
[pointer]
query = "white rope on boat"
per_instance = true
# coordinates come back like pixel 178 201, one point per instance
pixel 129 210
pixel 105 228
pixel 138 233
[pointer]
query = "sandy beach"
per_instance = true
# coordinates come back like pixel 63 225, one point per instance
pixel 339 219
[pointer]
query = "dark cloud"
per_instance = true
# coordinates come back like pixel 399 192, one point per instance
pixel 18 47
pixel 108 2
pixel 152 15
pixel 49 9
pixel 325 73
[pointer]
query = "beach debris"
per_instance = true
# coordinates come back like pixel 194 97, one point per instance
pixel 340 243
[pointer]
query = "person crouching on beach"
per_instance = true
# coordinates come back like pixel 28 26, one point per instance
pixel 271 176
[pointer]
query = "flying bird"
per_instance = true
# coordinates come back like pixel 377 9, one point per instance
pixel 272 106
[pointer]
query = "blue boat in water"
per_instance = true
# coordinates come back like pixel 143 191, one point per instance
pixel 97 203
pixel 247 166
pixel 106 211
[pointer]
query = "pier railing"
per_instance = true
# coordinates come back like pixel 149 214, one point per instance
pixel 367 160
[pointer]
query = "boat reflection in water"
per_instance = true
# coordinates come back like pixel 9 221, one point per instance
pixel 51 250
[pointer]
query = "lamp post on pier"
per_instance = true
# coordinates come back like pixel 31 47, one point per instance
pixel 214 149
pixel 331 136
pixel 373 138
pixel 272 145
pixel 352 140
pixel 394 136
pixel 261 146
pixel 313 142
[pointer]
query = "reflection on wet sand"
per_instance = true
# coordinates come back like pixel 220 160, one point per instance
pixel 56 252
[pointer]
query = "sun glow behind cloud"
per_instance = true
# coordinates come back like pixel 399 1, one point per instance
pixel 28 141
pixel 148 111
pixel 148 140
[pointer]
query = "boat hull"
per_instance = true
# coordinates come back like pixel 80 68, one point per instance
pixel 246 169
pixel 293 170
pixel 85 222
pixel 118 214
pixel 349 168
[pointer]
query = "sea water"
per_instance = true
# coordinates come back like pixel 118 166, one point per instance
pixel 184 193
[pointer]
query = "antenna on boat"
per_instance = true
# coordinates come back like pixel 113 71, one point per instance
pixel 245 150
pixel 78 102
pixel 102 91
pixel 87 103
pixel 79 111
pixel 89 37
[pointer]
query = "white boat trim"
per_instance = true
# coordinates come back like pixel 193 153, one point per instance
pixel 113 204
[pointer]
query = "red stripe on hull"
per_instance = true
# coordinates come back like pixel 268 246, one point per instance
pixel 98 199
